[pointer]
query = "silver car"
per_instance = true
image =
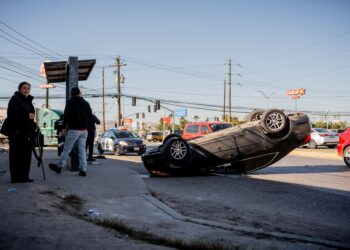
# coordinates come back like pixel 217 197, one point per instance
pixel 323 137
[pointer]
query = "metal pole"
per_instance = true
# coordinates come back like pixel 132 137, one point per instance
pixel 163 124
pixel 47 98
pixel 229 89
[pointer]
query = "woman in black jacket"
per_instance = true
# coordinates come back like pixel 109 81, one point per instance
pixel 20 115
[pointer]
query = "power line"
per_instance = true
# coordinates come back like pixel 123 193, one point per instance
pixel 31 40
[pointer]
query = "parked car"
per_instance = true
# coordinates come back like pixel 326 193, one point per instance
pixel 196 129
pixel 120 142
pixel 343 146
pixel 154 136
pixel 240 149
pixel 323 137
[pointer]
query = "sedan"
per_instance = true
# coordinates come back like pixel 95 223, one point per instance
pixel 265 139
pixel 323 137
pixel 120 142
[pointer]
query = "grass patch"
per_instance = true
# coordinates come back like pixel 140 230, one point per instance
pixel 146 236
pixel 73 205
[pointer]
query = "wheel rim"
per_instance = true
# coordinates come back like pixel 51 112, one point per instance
pixel 274 121
pixel 256 117
pixel 178 150
pixel 347 156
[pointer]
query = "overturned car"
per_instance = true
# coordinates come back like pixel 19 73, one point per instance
pixel 267 137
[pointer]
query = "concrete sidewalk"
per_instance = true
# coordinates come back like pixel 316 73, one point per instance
pixel 110 191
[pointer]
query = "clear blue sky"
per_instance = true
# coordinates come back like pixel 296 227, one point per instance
pixel 179 50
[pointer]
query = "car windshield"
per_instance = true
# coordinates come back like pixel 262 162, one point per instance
pixel 321 130
pixel 217 127
pixel 124 134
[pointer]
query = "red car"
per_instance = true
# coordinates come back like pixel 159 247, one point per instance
pixel 197 129
pixel 344 146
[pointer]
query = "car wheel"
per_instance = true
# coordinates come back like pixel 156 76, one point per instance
pixel 255 115
pixel 313 144
pixel 346 155
pixel 99 149
pixel 170 136
pixel 176 151
pixel 117 151
pixel 274 121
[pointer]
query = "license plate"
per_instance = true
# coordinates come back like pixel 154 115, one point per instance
pixel 136 148
pixel 331 136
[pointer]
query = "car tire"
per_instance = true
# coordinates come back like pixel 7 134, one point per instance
pixel 170 136
pixel 117 151
pixel 176 151
pixel 255 115
pixel 99 149
pixel 312 144
pixel 274 121
pixel 346 156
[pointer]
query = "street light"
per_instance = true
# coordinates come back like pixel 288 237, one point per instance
pixel 267 97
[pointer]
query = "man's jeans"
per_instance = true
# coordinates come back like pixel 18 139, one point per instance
pixel 73 136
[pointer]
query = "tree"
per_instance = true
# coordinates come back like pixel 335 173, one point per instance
pixel 183 122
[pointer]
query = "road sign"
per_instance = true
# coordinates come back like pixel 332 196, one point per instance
pixel 47 86
pixel 294 92
pixel 180 112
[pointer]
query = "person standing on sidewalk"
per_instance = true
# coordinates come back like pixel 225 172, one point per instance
pixel 20 115
pixel 91 136
pixel 76 118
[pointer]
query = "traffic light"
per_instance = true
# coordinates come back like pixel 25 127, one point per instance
pixel 155 107
pixel 149 108
pixel 158 104
pixel 133 101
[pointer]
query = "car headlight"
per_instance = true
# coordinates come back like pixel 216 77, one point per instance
pixel 123 143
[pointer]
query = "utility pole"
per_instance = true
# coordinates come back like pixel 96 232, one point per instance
pixel 103 100
pixel 224 116
pixel 118 65
pixel 229 89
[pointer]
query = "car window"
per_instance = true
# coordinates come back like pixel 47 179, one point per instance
pixel 124 134
pixel 217 127
pixel 192 129
pixel 321 130
pixel 205 129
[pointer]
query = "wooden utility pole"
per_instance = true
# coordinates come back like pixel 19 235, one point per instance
pixel 103 100
pixel 229 89
pixel 118 65
pixel 224 116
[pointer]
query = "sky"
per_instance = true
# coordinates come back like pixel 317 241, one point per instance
pixel 178 52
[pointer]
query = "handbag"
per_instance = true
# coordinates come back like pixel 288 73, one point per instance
pixel 5 128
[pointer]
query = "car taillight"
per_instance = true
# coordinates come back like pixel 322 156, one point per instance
pixel 308 138
pixel 323 135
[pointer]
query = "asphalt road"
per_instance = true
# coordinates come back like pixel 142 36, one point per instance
pixel 306 193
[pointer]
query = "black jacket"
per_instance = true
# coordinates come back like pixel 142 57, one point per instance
pixel 77 114
pixel 18 111
pixel 93 119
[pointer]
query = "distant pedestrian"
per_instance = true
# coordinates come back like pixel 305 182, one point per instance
pixel 20 115
pixel 91 136
pixel 75 124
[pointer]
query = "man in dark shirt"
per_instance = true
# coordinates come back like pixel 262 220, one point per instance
pixel 75 125
pixel 91 136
